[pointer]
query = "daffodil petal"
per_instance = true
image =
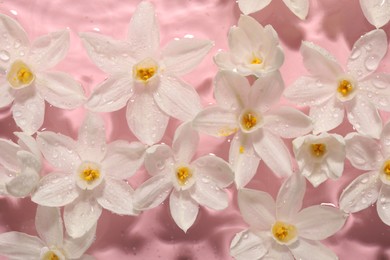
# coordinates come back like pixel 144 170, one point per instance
pixel 8 155
pixel 158 158
pixel 60 90
pixel 185 142
pixel 223 61
pixel 145 119
pixel 143 33
pixel 255 32
pixel 48 50
pixel 177 99
pixel 277 251
pixel 214 169
pixel 299 7
pixel 59 150
pixel 123 159
pixel 272 150
pixel 181 56
pixel 257 208
pixel 246 245
pixel 240 46
pixel 313 250
pixel 216 121
pixel 76 247
pixel 184 209
pixel 81 215
pixel 363 152
pixel 24 183
pixel 28 143
pixel 29 112
pixel 364 116
pixel 55 190
pixel 48 224
pixel 360 193
pixel 383 204
pixel 152 192
pixel 231 90
pixel 326 116
pixel 207 193
pixel 16 245
pixel 377 12
pixel 251 6
pixel 367 52
pixel 6 96
pixel 385 140
pixel 319 222
pixel 117 197
pixel 376 88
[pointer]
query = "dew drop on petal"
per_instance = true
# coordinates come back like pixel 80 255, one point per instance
pixel 355 54
pixel 371 63
pixel 4 55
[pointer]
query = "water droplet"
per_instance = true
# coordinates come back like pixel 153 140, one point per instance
pixel 355 53
pixel 4 55
pixel 368 47
pixel 17 44
pixel 383 101
pixel 378 83
pixel 371 63
pixel 364 180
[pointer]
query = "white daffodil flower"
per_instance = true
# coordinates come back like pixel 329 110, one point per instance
pixel 254 49
pixel 145 78
pixel 372 155
pixel 377 12
pixel 330 90
pixel 320 157
pixel 299 7
pixel 251 112
pixel 90 175
pixel 51 243
pixel 189 183
pixel 21 166
pixel 281 230
pixel 26 81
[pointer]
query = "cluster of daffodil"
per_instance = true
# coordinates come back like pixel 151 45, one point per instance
pixel 90 174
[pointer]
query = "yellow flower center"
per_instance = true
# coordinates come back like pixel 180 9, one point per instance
pixel 50 255
pixel 345 87
pixel 386 169
pixel 249 120
pixel 20 75
pixel 318 150
pixel 145 70
pixel 284 232
pixel 183 174
pixel 256 60
pixel 90 174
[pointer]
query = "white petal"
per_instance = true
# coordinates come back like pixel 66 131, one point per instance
pixel 273 152
pixel 185 142
pixel 59 150
pixel 223 61
pixel 315 172
pixel 55 190
pixel 240 46
pixel 183 209
pixel 246 245
pixel 117 197
pixel 28 143
pixel 48 223
pixel 213 169
pixel 327 116
pixel 361 193
pixel 313 250
pixel 91 143
pixel 81 215
pixel 8 154
pixel 29 112
pixel 145 119
pixel 111 56
pixel 76 247
pixel 123 159
pixel 47 50
pixel 251 6
pixel 256 33
pixel 24 183
pixel 363 115
pixel 266 91
pixel 363 152
pixel 18 245
pixel 243 159
pixel 257 208
pixel 383 204
pixel 377 88
pixel 6 96
pixel 177 99
pixel 290 197
pixel 111 95
pixel 308 91
pixel 231 90
pixel 183 55
pixel 319 62
pixel 208 194
pixel 288 122
pixel 60 90
pixel 277 251
pixel 319 222
pixel 152 192
pixel 300 8
pixel 158 158
pixel 385 139
pixel 377 12
pixel 216 121
pixel 143 34
pixel 367 52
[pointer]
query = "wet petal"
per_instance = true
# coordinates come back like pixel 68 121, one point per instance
pixel 377 12
pixel 300 8
pixel 48 223
pixel 185 143
pixel 184 209
pixel 158 158
pixel 327 116
pixel 8 155
pixel 246 245
pixel 16 245
pixel 240 46
pixel 6 96
pixel 385 140
pixel 376 88
pixel 208 194
pixel 383 204
pixel 24 183
pixel 313 250
pixel 76 247
pixel 251 6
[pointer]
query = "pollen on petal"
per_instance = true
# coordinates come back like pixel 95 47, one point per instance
pixel 227 131
pixel 318 149
pixel 283 232
pixel 242 149
pixel 20 75
pixel 345 87
pixel 183 174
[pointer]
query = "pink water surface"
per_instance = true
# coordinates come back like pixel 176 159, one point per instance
pixel 333 24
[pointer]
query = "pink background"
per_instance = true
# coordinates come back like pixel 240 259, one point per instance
pixel 333 24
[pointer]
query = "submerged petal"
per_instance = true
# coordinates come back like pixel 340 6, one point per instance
pixel 48 224
pixel 246 245
pixel 184 209
pixel 313 250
